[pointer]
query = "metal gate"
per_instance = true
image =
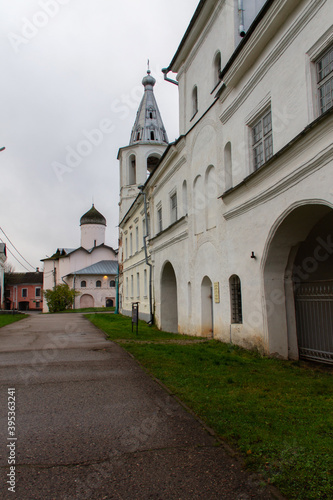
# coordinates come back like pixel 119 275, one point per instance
pixel 314 320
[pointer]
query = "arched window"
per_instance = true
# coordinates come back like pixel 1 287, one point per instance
pixel 98 284
pixel 83 284
pixel 152 135
pixel 132 170
pixel 152 161
pixel 217 68
pixel 228 166
pixel 112 284
pixel 235 299
pixel 194 100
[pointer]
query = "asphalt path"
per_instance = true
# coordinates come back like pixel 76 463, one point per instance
pixel 91 424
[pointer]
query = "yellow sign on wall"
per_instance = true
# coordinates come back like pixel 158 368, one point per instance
pixel 217 292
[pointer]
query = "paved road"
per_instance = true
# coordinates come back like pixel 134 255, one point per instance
pixel 91 424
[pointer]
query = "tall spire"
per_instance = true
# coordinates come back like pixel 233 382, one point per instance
pixel 148 126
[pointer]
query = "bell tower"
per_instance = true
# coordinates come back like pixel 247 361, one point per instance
pixel 148 142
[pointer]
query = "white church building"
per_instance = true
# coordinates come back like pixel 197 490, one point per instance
pixel 90 269
pixel 237 212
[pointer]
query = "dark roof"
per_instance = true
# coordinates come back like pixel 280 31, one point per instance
pixel 93 216
pixel 24 278
pixel 65 252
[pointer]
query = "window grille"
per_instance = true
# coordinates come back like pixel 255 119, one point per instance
pixel 236 300
pixel 262 140
pixel 325 80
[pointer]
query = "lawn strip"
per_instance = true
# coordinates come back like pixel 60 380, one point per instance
pixel 7 319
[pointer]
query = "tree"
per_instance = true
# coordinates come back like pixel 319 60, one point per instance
pixel 8 268
pixel 60 298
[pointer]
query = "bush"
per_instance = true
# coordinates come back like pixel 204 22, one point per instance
pixel 60 298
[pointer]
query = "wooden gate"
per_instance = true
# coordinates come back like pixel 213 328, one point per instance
pixel 314 320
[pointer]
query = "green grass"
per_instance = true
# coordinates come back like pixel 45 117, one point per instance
pixel 89 309
pixel 278 414
pixel 120 328
pixel 7 319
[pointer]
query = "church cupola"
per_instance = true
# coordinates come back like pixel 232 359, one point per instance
pixel 93 225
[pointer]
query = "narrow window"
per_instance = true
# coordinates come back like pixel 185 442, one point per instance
pixel 194 101
pixel 24 292
pixel 95 243
pixel 150 115
pixel 173 202
pixel 126 291
pixel 262 140
pixel 83 284
pixel 235 300
pixel 138 285
pixel 152 135
pixel 136 239
pixel 37 292
pixel 132 170
pixel 132 286
pixel 143 230
pixel 217 68
pixel 184 194
pixel 159 220
pixel 98 284
pixel 131 244
pixel 126 248
pixel 325 80
pixel 148 225
pixel 145 288
pixel 228 166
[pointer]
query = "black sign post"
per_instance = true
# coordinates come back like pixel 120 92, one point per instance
pixel 135 315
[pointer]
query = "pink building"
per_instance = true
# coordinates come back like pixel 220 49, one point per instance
pixel 24 291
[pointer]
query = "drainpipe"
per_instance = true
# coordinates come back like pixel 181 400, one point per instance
pixel 241 18
pixel 165 71
pixel 151 320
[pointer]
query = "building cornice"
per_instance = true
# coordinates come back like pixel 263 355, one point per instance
pixel 178 237
pixel 239 66
pixel 278 161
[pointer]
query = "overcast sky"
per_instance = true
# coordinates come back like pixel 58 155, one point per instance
pixel 70 87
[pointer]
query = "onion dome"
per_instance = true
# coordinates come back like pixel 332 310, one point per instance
pixel 93 216
pixel 148 80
